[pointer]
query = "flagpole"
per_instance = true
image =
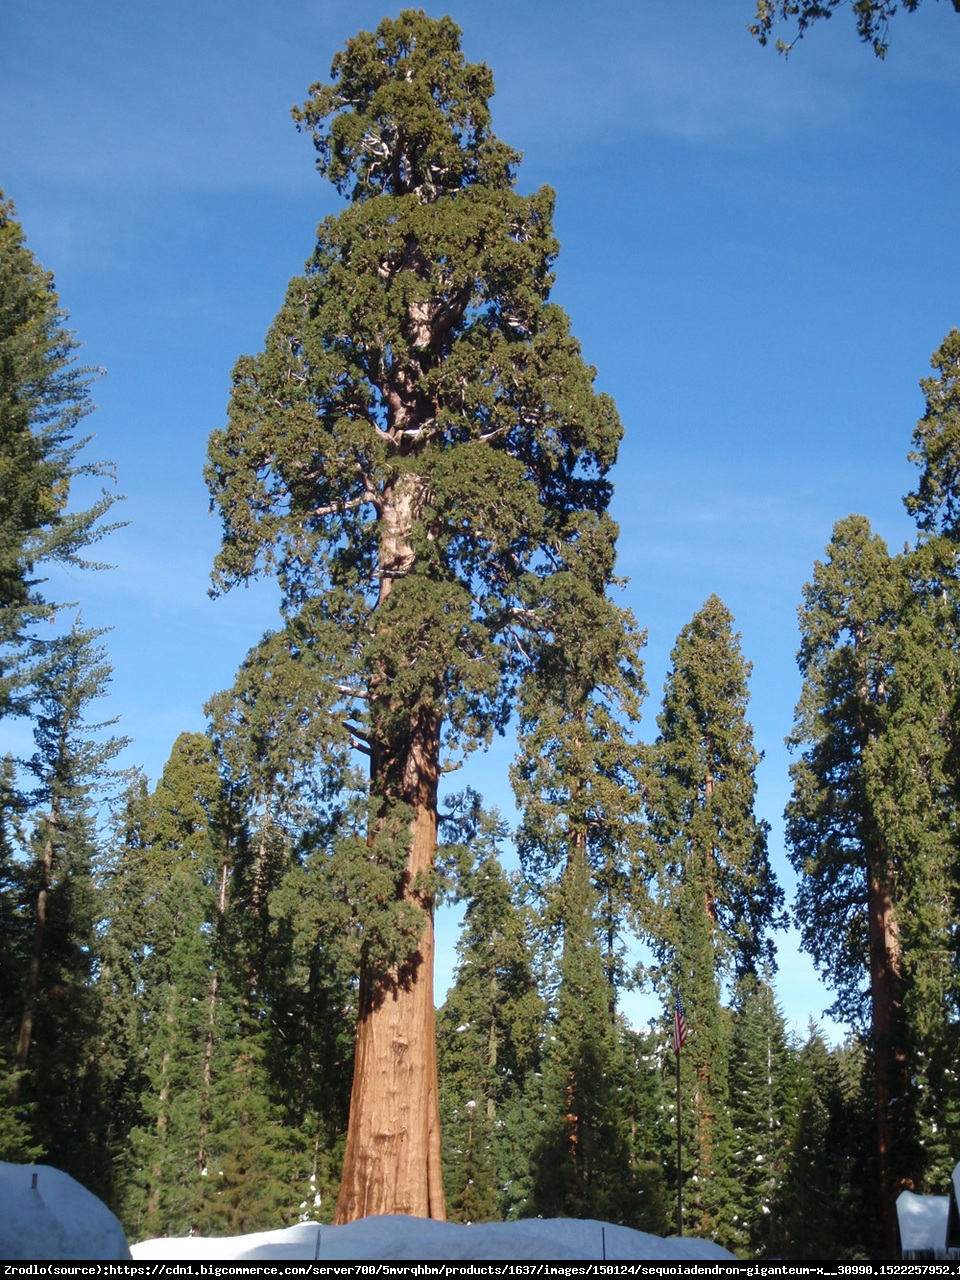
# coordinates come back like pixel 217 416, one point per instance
pixel 679 1156
pixel 679 1036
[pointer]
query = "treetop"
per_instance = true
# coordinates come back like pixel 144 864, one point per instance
pixel 936 446
pixel 406 114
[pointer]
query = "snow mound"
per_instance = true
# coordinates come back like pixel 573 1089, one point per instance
pixel 46 1214
pixel 922 1221
pixel 395 1238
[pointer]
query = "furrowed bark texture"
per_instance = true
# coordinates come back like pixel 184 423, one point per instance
pixel 392 1160
pixel 886 1004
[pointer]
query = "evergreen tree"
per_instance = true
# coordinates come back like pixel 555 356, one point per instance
pixel 644 1105
pixel 936 447
pixel 911 787
pixel 839 844
pixel 123 1028
pixel 55 1070
pixel 245 967
pixel 707 1142
pixel 578 774
pixel 16 1144
pixel 873 820
pixel 762 1088
pixel 43 397
pixel 583 1157
pixel 293 926
pixel 177 860
pixel 713 895
pixel 702 792
pixel 488 1037
pixel 421 456
pixel 916 776
pixel 577 783
pixel 823 1208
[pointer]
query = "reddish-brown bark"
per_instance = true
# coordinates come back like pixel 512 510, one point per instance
pixel 886 1002
pixel 392 1160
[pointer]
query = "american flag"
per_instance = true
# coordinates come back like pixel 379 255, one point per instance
pixel 679 1025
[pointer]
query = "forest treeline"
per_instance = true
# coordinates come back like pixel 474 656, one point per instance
pixel 184 965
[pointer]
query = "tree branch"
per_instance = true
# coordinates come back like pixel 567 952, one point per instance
pixel 350 504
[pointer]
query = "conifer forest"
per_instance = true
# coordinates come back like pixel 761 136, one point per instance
pixel 217 998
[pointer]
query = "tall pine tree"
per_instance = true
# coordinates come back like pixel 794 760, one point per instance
pixel 489 1030
pixel 578 786
pixel 847 900
pixel 713 896
pixel 173 885
pixel 582 1155
pixel 292 931
pixel 54 1058
pixel 43 397
pixel 761 1093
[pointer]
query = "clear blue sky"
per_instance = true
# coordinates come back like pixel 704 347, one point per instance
pixel 759 256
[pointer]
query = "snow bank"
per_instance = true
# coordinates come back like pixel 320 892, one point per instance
pixel 45 1214
pixel 922 1221
pixel 398 1239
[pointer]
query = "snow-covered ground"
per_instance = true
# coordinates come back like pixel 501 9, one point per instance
pixel 45 1214
pixel 399 1239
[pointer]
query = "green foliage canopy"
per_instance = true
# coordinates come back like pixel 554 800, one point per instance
pixel 43 397
pixel 418 452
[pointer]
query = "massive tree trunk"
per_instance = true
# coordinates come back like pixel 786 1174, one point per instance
pixel 886 998
pixel 392 1160
pixel 886 973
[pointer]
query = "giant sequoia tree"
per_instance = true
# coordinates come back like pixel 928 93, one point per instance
pixel 847 902
pixel 420 455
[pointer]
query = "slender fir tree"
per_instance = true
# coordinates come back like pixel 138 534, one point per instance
pixel 577 783
pixel 644 1106
pixel 578 773
pixel 910 784
pixel 762 1088
pixel 824 1208
pixel 420 455
pixel 713 896
pixel 702 792
pixel 582 1156
pixel 16 1144
pixel 916 776
pixel 43 397
pixel 292 930
pixel 55 1069
pixel 177 857
pixel 489 1032
pixel 935 505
